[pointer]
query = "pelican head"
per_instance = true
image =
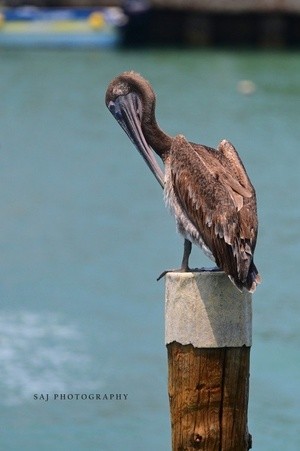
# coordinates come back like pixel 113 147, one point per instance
pixel 131 100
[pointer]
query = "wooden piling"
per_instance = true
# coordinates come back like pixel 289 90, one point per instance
pixel 208 338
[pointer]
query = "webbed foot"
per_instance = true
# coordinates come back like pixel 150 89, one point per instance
pixel 214 269
pixel 173 270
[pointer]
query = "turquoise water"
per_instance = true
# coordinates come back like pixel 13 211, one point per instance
pixel 84 234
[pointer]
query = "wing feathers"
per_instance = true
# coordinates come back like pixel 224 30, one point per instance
pixel 218 205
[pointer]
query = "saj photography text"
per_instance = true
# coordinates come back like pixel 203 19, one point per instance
pixel 80 397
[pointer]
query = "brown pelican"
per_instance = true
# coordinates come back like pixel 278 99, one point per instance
pixel 207 190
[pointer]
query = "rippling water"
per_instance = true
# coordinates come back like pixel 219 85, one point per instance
pixel 84 233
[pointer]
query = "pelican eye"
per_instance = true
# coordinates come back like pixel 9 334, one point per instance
pixel 115 110
pixel 112 107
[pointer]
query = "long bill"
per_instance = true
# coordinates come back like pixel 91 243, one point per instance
pixel 127 111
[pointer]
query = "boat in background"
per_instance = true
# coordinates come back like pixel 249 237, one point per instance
pixel 58 28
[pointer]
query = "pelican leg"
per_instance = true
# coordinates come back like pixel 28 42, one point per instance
pixel 186 255
pixel 185 260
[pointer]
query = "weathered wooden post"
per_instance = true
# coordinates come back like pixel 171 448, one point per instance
pixel 208 337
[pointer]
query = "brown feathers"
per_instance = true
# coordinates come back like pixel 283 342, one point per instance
pixel 222 207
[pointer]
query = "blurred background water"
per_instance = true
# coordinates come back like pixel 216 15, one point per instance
pixel 84 234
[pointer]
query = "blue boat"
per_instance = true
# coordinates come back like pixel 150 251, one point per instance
pixel 50 27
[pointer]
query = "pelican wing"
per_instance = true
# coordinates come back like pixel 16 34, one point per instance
pixel 215 202
pixel 234 163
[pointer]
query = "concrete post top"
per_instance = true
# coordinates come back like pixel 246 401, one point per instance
pixel 206 310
